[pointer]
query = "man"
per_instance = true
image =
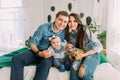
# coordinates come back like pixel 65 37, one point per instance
pixel 38 52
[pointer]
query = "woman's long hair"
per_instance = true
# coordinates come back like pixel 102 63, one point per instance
pixel 81 32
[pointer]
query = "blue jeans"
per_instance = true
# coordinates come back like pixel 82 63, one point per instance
pixel 59 64
pixel 62 64
pixel 90 64
pixel 26 58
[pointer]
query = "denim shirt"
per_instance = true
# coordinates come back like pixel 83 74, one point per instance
pixel 42 34
pixel 91 42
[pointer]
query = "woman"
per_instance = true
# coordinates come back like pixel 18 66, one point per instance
pixel 80 36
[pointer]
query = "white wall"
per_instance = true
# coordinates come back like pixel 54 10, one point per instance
pixel 34 13
pixel 38 10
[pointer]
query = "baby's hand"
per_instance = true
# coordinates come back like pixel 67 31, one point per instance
pixel 48 51
pixel 69 47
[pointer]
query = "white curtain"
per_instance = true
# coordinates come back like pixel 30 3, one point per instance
pixel 100 13
pixel 113 33
pixel 12 31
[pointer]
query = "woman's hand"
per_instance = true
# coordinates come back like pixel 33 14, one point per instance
pixel 45 54
pixel 83 55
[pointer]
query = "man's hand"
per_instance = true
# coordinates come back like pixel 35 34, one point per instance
pixel 45 54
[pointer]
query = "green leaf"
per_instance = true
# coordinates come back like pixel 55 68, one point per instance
pixel 49 18
pixel 88 20
pixel 53 8
pixel 81 15
pixel 70 6
pixel 102 38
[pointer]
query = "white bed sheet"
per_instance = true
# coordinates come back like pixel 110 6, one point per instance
pixel 104 71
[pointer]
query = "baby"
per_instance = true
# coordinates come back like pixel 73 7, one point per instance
pixel 59 53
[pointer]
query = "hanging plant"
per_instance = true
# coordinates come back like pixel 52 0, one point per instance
pixel 81 15
pixel 70 6
pixel 102 38
pixel 98 1
pixel 88 20
pixel 52 8
pixel 49 18
pixel 91 24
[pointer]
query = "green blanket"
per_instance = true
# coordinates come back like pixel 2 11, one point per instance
pixel 5 60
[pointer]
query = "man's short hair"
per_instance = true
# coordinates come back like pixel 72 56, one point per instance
pixel 64 13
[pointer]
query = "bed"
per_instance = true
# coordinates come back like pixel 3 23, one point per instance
pixel 104 71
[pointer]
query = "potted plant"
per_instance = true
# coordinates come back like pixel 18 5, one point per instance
pixel 102 38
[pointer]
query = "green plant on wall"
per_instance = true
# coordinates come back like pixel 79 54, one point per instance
pixel 69 6
pixel 52 8
pixel 49 18
pixel 81 15
pixel 91 24
pixel 88 21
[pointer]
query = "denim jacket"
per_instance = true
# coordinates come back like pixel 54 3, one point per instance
pixel 92 42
